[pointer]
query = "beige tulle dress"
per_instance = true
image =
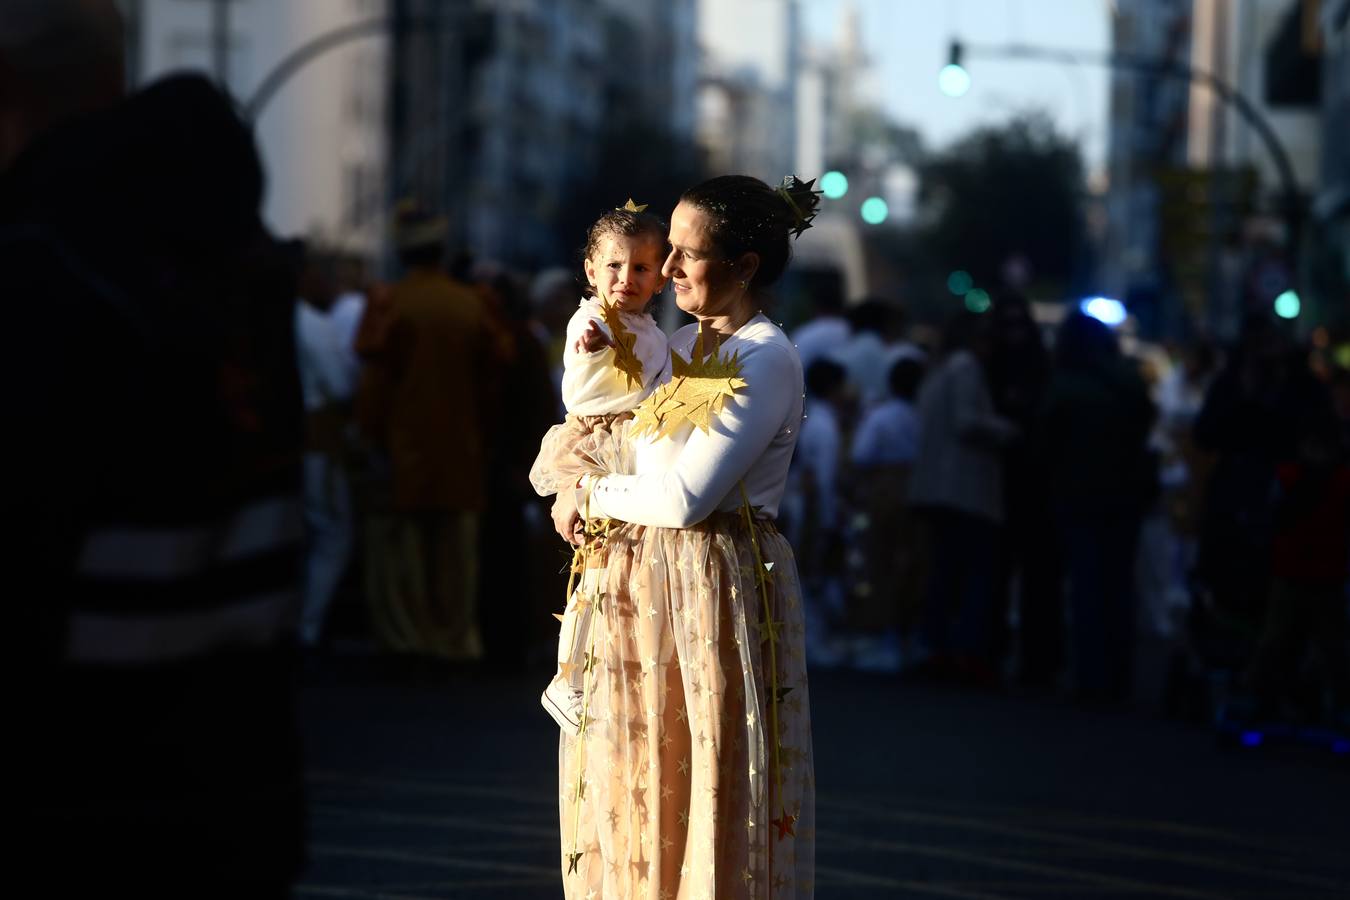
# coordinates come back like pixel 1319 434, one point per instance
pixel 693 776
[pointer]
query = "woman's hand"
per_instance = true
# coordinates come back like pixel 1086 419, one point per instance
pixel 566 519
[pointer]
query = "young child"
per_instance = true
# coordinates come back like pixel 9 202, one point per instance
pixel 614 357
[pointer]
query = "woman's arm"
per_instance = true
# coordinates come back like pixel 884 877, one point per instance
pixel 710 464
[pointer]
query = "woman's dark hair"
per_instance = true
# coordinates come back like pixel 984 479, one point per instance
pixel 904 378
pixel 623 223
pixel 824 377
pixel 748 216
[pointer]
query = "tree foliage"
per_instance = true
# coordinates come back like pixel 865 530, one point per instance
pixel 1006 191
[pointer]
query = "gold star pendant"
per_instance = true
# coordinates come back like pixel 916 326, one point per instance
pixel 784 825
pixel 572 860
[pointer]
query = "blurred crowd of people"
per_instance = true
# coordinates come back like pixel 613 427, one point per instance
pixel 1010 499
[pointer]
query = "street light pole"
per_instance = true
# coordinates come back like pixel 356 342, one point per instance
pixel 220 41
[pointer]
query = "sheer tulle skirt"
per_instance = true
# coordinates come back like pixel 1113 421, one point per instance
pixel 683 796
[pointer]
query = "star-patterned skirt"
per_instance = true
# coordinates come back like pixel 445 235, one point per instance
pixel 676 790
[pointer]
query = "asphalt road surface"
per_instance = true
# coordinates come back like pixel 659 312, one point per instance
pixel 431 784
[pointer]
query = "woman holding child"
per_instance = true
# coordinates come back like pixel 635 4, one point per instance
pixel 690 774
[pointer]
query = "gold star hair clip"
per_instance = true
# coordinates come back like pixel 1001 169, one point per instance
pixel 632 207
pixel 801 201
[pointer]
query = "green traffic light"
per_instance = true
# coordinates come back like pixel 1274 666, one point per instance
pixel 977 301
pixel 960 282
pixel 874 211
pixel 1288 305
pixel 834 184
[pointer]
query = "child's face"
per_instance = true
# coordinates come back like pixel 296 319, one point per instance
pixel 627 270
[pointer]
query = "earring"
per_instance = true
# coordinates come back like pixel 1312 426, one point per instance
pixel 742 283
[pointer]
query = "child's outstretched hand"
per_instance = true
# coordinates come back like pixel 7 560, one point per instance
pixel 592 339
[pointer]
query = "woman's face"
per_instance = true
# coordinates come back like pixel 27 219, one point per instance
pixel 706 284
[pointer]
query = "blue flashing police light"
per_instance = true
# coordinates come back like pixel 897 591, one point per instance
pixel 1105 310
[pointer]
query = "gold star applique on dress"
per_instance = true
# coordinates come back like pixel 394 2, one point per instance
pixel 625 341
pixel 696 392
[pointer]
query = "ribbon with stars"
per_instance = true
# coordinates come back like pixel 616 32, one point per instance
pixel 785 821
pixel 597 536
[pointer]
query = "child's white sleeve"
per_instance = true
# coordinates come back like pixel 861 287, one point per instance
pixel 592 385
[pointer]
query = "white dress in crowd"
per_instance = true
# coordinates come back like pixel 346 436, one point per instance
pixel 328 377
pixel 695 776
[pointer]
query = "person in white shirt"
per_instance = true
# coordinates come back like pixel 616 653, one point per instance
pixel 957 482
pixel 328 379
pixel 883 601
pixel 826 333
pixel 866 355
pixel 614 357
pixel 816 530
pixel 696 761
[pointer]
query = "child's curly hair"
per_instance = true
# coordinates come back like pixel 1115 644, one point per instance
pixel 624 223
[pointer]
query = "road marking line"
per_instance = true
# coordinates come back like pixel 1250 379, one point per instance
pixel 395 892
pixel 537 798
pixel 461 822
pixel 937 889
pixel 996 862
pixel 1113 847
pixel 436 861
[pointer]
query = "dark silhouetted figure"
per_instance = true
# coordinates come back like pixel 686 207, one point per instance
pixel 1310 555
pixel 1093 431
pixel 154 477
pixel 1029 550
pixel 525 392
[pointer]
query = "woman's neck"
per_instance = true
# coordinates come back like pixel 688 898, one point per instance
pixel 729 324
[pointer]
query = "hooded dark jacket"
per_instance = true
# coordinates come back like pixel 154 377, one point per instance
pixel 155 431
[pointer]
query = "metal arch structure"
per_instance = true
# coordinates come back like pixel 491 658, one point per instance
pixel 1162 69
pixel 306 53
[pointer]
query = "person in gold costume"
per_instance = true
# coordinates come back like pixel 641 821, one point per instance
pixel 692 774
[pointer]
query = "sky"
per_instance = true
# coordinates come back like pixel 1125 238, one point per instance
pixel 907 41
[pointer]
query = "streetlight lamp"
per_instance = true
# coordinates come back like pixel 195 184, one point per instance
pixel 953 79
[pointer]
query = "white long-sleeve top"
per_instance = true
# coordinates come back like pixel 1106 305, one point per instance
pixel 324 375
pixel 683 478
pixel 959 464
pixel 591 385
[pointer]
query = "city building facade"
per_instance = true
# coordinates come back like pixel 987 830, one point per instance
pixel 322 137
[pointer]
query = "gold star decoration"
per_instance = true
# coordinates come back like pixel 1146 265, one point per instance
pixel 784 825
pixel 630 206
pixel 696 392
pixel 768 628
pixel 572 860
pixel 790 190
pixel 625 356
pixel 782 694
